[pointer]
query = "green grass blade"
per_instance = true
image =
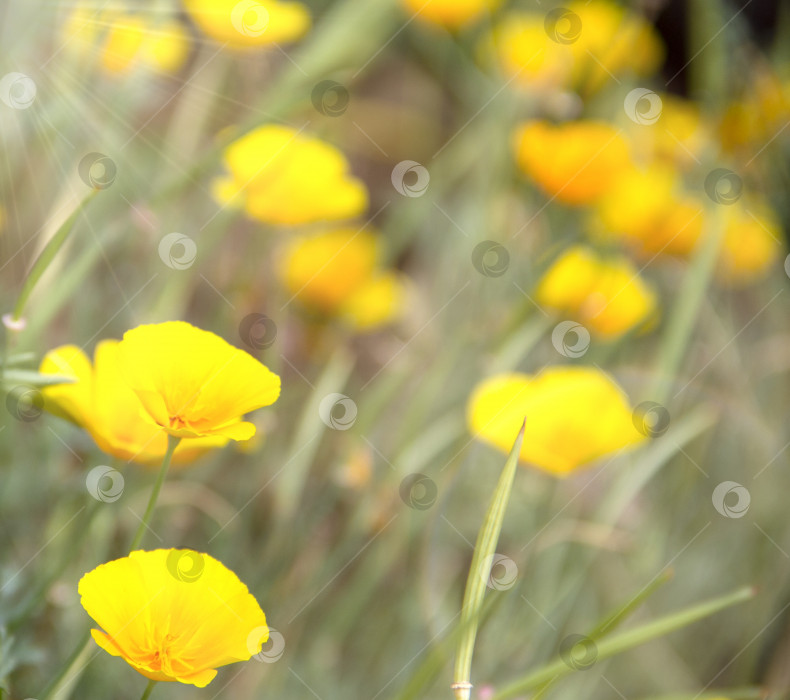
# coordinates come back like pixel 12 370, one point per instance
pixel 47 255
pixel 479 571
pixel 611 646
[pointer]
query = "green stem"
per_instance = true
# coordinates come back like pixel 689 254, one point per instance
pixel 61 688
pixel 148 689
pixel 172 443
pixel 688 303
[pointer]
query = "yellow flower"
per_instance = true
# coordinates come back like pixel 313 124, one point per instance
pixel 574 162
pixel 173 615
pixel 759 115
pixel 101 402
pixel 192 383
pixel 611 42
pixel 751 245
pixel 579 46
pixel 680 135
pixel 335 273
pixel 124 38
pixel 286 178
pixel 574 415
pixel 126 41
pixel 524 53
pixel 606 295
pixel 450 13
pixel 648 210
pixel 166 47
pixel 249 23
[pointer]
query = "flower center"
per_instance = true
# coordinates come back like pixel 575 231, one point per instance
pixel 162 655
pixel 177 422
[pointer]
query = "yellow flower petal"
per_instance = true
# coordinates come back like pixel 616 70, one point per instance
pixel 574 415
pixel 450 13
pixel 287 178
pixel 249 23
pixel 192 382
pixel 606 295
pixel 104 405
pixel 70 401
pixel 575 162
pixel 173 615
pixel 377 302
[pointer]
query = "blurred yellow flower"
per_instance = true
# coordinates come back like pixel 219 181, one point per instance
pixel 242 24
pixel 604 294
pixel 101 402
pixel 286 178
pixel 612 42
pixel 751 245
pixel 579 46
pixel 574 162
pixel 193 383
pixel 524 53
pixel 647 209
pixel 125 41
pixel 166 47
pixel 759 115
pixel 173 615
pixel 680 135
pixel 574 415
pixel 335 273
pixel 450 13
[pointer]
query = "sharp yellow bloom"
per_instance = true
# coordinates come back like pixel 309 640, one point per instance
pixel 249 24
pixel 605 294
pixel 574 162
pixel 173 615
pixel 575 415
pixel 192 383
pixel 286 178
pixel 104 405
pixel 450 13
pixel 335 273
